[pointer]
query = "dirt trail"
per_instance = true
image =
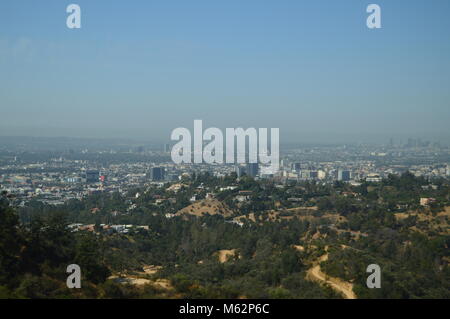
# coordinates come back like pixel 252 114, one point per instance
pixel 315 273
pixel 136 281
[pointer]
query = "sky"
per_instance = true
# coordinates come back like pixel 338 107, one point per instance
pixel 141 68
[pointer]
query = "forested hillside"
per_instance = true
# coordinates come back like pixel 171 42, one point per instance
pixel 299 240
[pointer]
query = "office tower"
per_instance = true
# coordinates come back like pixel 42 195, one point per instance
pixel 344 175
pixel 240 170
pixel 167 148
pixel 296 167
pixel 92 176
pixel 157 173
pixel 252 169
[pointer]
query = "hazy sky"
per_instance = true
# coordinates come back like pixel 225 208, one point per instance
pixel 140 69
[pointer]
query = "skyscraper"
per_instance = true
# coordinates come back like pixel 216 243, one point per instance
pixel 252 169
pixel 296 167
pixel 157 173
pixel 240 170
pixel 92 176
pixel 344 175
pixel 167 148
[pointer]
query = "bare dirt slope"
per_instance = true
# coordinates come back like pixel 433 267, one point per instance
pixel 207 206
pixel 225 254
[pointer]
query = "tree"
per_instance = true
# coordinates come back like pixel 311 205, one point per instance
pixel 88 257
pixel 11 242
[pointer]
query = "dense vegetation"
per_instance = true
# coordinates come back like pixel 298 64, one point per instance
pixel 413 251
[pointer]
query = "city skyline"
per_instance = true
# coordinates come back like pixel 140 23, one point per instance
pixel 313 69
pixel 224 155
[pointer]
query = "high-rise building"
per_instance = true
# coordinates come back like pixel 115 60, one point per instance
pixel 167 148
pixel 296 167
pixel 391 142
pixel 252 169
pixel 240 170
pixel 140 149
pixel 157 173
pixel 344 175
pixel 92 176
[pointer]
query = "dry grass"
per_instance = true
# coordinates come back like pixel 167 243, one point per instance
pixel 207 206
pixel 299 247
pixel 436 222
pixel 151 269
